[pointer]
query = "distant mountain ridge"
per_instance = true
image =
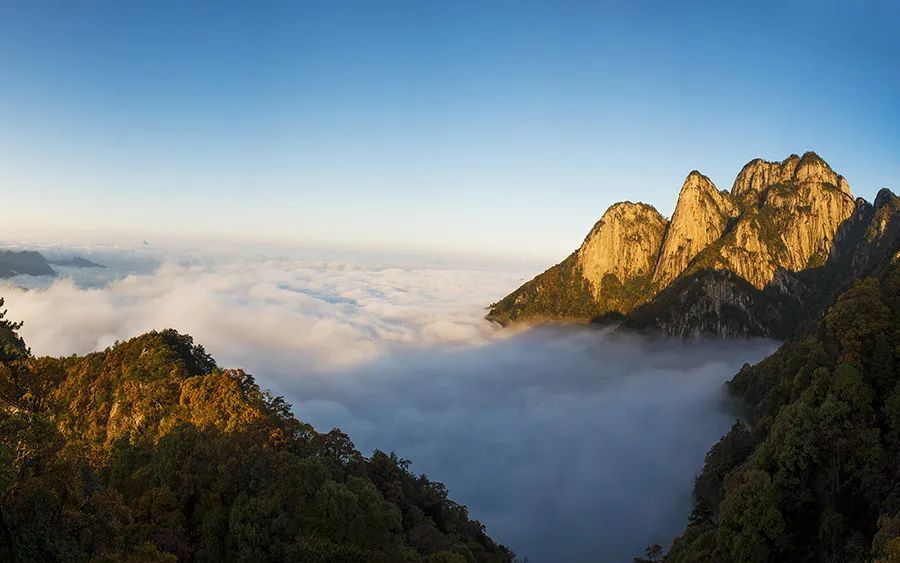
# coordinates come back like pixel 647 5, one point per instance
pixel 26 262
pixel 76 262
pixel 32 263
pixel 761 259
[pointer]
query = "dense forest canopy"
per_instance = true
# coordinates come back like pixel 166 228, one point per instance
pixel 148 451
pixel 814 473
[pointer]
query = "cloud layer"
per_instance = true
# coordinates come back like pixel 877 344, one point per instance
pixel 257 312
pixel 570 444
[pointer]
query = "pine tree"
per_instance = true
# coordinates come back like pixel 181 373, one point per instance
pixel 12 347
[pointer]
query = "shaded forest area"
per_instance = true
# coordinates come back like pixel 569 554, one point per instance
pixel 814 475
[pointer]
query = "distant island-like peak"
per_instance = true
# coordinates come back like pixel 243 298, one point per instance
pixel 76 262
pixel 24 262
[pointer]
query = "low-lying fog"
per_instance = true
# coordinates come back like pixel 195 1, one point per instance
pixel 569 444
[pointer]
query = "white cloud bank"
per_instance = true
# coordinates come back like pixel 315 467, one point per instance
pixel 569 444
pixel 318 314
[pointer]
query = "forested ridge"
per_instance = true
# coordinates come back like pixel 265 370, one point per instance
pixel 814 472
pixel 148 451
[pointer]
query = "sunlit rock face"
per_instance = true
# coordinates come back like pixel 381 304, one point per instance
pixel 775 232
pixel 759 174
pixel 791 213
pixel 621 251
pixel 700 218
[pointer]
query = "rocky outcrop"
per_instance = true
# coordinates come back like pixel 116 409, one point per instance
pixel 610 273
pixel 700 218
pixel 750 250
pixel 759 175
pixel 790 213
pixel 622 248
pixel 720 303
pixel 751 261
pixel 870 240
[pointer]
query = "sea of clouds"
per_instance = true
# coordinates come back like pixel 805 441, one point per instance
pixel 569 443
pixel 254 310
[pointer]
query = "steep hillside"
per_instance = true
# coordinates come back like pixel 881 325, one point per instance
pixel 148 451
pixel 609 273
pixel 813 474
pixel 701 216
pixel 788 220
pixel 718 301
pixel 762 259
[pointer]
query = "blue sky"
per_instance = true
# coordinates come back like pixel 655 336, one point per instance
pixel 489 127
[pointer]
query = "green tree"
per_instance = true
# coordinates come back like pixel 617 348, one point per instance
pixel 751 528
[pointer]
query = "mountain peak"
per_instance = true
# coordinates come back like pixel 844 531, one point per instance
pixel 631 207
pixel 810 156
pixel 695 179
pixel 884 197
pixel 747 250
pixel 623 212
pixel 758 174
pixel 624 244
pixel 812 168
pixel 700 217
pixel 695 174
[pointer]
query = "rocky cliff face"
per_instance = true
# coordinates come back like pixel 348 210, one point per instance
pixel 758 175
pixel 790 214
pixel 700 218
pixel 621 250
pixel 745 262
pixel 868 242
pixel 611 271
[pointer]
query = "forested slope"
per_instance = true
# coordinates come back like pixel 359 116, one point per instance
pixel 815 474
pixel 148 451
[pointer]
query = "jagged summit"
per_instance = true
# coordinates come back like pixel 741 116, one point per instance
pixel 884 197
pixel 697 176
pixel 636 206
pixel 623 245
pixel 780 223
pixel 758 175
pixel 696 180
pixel 701 215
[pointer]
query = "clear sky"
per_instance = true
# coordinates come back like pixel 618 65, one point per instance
pixel 488 126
